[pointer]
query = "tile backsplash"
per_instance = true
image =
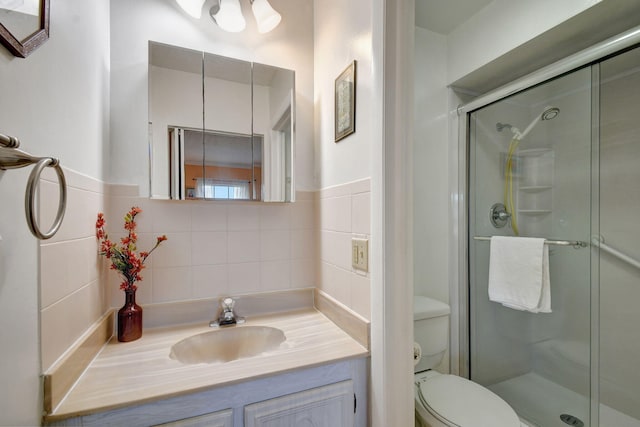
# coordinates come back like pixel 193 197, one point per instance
pixel 213 249
pixel 219 248
pixel 72 295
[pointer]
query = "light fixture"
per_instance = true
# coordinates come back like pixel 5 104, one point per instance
pixel 228 14
pixel 192 7
pixel 266 17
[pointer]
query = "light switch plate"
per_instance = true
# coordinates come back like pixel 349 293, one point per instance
pixel 360 254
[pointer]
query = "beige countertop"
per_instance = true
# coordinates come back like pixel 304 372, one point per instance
pixel 126 374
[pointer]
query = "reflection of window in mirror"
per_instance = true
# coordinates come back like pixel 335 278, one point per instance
pixel 229 171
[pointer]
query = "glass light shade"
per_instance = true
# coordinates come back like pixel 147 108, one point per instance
pixel 266 16
pixel 229 17
pixel 192 7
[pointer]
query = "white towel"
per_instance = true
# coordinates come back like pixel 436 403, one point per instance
pixel 519 273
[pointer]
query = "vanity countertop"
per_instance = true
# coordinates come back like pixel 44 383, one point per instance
pixel 126 374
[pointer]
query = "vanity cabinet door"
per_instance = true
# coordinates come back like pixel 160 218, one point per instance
pixel 214 419
pixel 329 406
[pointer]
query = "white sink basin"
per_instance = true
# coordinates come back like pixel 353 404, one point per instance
pixel 225 345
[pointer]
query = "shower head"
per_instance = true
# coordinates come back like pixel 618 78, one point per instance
pixel 500 126
pixel 549 113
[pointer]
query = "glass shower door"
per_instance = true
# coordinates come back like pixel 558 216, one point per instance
pixel 531 152
pixel 620 231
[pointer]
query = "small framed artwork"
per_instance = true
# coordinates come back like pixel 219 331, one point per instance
pixel 345 103
pixel 191 193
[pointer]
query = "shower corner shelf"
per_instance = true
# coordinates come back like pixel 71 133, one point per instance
pixel 534 211
pixel 535 188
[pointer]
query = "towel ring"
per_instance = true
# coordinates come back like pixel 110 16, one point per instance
pixel 30 196
pixel 13 158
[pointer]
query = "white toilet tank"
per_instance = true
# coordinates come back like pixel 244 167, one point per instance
pixel 430 330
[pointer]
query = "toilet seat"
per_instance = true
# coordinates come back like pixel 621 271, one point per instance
pixel 456 401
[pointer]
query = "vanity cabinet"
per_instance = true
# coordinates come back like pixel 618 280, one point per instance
pixel 332 405
pixel 330 395
pixel 214 419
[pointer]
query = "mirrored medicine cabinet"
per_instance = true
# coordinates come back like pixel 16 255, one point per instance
pixel 219 128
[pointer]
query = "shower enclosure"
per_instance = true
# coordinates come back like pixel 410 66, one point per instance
pixel 561 160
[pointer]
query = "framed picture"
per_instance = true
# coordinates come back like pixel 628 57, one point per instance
pixel 345 103
pixel 191 193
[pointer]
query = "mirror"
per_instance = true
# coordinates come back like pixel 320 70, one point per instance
pixel 24 25
pixel 219 128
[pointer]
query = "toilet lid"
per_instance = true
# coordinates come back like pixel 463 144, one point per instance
pixel 464 403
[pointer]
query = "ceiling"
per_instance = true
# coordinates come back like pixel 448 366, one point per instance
pixel 444 16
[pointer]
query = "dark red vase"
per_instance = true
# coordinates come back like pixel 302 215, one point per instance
pixel 129 319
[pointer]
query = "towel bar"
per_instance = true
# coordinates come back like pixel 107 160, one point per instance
pixel 577 244
pixel 599 242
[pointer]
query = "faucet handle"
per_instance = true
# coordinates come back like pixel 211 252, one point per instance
pixel 227 304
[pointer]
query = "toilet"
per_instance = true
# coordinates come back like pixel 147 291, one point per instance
pixel 449 400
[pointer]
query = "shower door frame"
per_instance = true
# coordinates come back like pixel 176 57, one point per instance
pixel 459 251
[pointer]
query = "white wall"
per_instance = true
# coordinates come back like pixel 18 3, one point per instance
pixel 430 168
pixel 342 33
pixel 502 26
pixel 290 46
pixel 56 101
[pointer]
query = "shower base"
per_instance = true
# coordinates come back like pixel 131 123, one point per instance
pixel 540 402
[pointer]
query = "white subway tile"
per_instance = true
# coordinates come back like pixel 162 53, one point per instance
pixel 243 217
pixel 244 278
pixel 54 333
pixel 361 213
pixel 209 216
pixel 174 252
pixel 172 284
pixel 243 246
pixel 336 249
pixel 275 216
pixel 303 273
pixel 208 248
pixel 336 214
pixel 275 245
pixel 336 282
pixel 210 281
pixel 170 216
pixel 303 215
pixel 303 244
pixel 118 208
pixel 361 295
pixel 275 275
pixel 53 273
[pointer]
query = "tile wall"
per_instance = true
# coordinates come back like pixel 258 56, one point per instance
pixel 72 295
pixel 344 213
pixel 217 248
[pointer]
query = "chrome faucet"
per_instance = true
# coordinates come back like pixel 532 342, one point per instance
pixel 227 315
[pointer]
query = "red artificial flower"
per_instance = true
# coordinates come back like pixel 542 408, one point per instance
pixel 124 258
